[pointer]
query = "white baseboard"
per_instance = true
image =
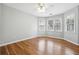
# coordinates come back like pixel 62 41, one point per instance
pixel 58 38
pixel 34 37
pixel 63 39
pixel 72 42
pixel 16 41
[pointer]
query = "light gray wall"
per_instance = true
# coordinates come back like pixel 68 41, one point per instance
pixel 0 22
pixel 17 25
pixel 72 36
pixel 78 24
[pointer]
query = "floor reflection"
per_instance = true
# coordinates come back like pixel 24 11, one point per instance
pixel 50 47
pixel 41 45
pixel 68 51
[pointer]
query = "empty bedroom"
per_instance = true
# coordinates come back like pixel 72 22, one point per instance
pixel 39 28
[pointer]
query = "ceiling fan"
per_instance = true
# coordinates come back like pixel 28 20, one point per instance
pixel 41 7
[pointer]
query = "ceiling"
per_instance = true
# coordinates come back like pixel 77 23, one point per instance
pixel 52 8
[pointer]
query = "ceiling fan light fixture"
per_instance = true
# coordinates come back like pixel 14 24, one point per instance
pixel 41 7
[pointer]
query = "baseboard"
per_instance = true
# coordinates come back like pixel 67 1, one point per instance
pixel 63 39
pixel 58 38
pixel 35 37
pixel 71 42
pixel 17 41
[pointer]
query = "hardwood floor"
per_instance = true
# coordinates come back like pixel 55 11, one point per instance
pixel 40 46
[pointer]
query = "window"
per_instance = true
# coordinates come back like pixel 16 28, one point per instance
pixel 50 25
pixel 70 23
pixel 54 24
pixel 41 25
pixel 58 25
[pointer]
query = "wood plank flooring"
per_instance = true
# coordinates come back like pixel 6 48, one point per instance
pixel 40 46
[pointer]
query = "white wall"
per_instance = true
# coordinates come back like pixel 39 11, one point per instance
pixel 0 22
pixel 78 24
pixel 17 25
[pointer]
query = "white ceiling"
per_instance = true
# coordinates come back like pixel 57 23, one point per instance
pixel 52 8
